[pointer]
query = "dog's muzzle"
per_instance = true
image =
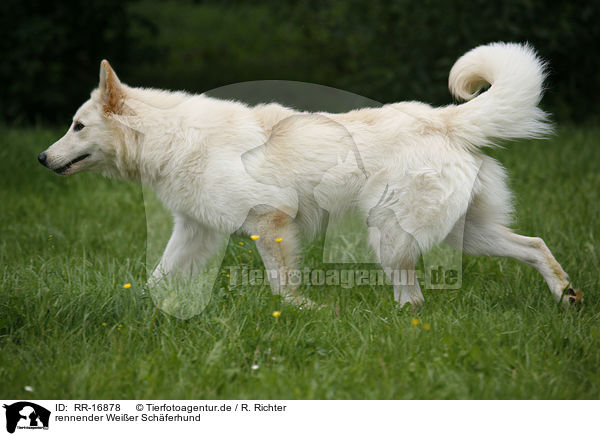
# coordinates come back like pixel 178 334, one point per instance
pixel 64 168
pixel 43 158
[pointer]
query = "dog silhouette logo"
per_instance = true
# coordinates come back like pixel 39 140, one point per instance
pixel 26 415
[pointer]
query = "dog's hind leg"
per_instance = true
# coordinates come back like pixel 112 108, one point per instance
pixel 398 253
pixel 489 239
pixel 397 250
pixel 278 245
pixel 189 247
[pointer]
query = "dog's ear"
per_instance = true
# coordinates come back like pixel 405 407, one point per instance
pixel 111 90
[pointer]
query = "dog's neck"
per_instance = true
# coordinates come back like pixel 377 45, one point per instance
pixel 158 132
pixel 139 141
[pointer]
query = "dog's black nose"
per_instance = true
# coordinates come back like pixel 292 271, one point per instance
pixel 42 158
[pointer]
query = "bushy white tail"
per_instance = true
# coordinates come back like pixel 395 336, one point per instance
pixel 509 108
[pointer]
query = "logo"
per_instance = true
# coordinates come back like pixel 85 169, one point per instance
pixel 26 415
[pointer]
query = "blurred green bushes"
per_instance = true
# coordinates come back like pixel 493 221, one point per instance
pixel 384 50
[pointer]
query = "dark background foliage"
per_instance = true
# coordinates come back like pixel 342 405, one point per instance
pixel 384 50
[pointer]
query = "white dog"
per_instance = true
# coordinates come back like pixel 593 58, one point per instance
pixel 222 166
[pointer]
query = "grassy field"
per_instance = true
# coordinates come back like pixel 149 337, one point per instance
pixel 70 330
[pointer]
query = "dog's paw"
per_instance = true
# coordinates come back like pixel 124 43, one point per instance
pixel 302 302
pixel 412 306
pixel 572 297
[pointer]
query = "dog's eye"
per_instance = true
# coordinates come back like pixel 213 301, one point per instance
pixel 78 126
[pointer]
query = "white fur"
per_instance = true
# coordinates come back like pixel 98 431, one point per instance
pixel 222 166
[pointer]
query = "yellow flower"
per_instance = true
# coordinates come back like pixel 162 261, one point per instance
pixel 227 275
pixel 241 243
pixel 127 285
pixel 278 239
pixel 254 237
pixel 427 326
pixel 276 314
pixel 104 324
pixel 415 321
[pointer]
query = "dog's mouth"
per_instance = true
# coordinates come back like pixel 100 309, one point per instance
pixel 66 167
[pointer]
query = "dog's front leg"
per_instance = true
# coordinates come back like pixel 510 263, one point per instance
pixel 278 245
pixel 189 247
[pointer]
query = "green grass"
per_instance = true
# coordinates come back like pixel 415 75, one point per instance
pixel 69 244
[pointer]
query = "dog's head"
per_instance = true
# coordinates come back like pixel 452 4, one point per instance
pixel 89 143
